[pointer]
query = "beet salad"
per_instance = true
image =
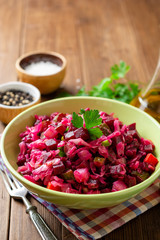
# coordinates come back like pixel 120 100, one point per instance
pixel 90 152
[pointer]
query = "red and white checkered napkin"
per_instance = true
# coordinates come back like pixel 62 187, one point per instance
pixel 94 224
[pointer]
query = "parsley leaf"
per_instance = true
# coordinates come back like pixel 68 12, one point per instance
pixel 77 121
pixel 82 92
pixel 125 93
pixel 92 118
pixel 82 111
pixel 95 133
pixel 119 71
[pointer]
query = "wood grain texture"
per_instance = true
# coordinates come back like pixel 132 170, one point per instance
pixel 92 35
pixel 4 211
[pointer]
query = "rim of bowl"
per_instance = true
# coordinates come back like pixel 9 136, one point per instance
pixel 129 190
pixel 25 87
pixel 52 54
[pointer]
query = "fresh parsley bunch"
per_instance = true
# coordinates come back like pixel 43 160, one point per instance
pixel 107 87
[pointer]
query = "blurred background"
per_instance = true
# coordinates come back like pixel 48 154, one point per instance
pixel 93 35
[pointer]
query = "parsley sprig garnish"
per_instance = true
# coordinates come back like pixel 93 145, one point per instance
pixel 91 119
pixel 110 88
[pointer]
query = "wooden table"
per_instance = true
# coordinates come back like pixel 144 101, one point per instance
pixel 92 35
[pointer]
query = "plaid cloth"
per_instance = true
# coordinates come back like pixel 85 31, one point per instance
pixel 96 223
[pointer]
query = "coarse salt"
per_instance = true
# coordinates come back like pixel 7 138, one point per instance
pixel 42 68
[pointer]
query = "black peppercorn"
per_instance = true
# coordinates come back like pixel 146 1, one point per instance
pixel 14 97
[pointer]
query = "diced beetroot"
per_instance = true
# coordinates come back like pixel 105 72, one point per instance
pixel 41 117
pixel 117 169
pixel 66 187
pixel 53 162
pixel 116 125
pixel 105 129
pixel 69 135
pixel 135 143
pixel 58 117
pixel 103 151
pixel 21 160
pixel 81 175
pixel 132 126
pixel 42 126
pixel 85 155
pixel 60 129
pixel 30 178
pixel 70 152
pixel 68 163
pixel 80 142
pixel 81 133
pixel 23 169
pixel 131 152
pixel 61 144
pixel 130 180
pixel 118 185
pixel 109 121
pixel 113 135
pixel 58 169
pixel 111 155
pixel 120 149
pixel 138 157
pixel 128 137
pixel 39 144
pixel 23 148
pixel 46 180
pixel 134 134
pixel 50 143
pixel 57 179
pixel 148 146
pixel 50 132
pixel 83 164
pixel 134 165
pixel 151 168
pixel 121 160
pixel 41 172
pixel 92 184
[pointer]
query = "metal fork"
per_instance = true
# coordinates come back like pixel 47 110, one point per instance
pixel 18 191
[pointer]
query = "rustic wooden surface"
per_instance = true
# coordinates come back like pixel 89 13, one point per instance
pixel 92 35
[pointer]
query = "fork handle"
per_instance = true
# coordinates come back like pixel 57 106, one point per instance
pixel 40 224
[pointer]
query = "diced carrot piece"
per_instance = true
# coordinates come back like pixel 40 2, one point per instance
pixel 54 186
pixel 151 159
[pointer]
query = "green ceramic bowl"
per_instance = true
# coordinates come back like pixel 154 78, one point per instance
pixel 146 125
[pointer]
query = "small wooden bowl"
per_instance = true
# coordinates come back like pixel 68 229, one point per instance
pixel 7 113
pixel 46 83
